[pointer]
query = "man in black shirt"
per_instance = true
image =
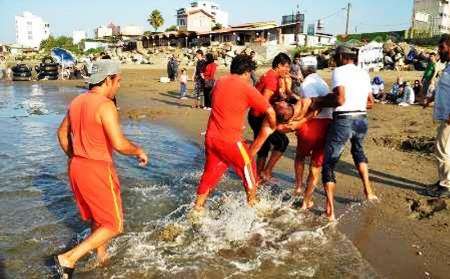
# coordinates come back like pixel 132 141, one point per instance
pixel 199 80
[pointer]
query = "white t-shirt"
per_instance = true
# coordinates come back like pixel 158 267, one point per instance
pixel 377 88
pixel 315 86
pixel 357 87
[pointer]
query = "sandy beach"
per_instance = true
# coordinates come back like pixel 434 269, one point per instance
pixel 403 236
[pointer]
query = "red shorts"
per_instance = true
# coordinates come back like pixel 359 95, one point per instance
pixel 311 138
pixel 220 155
pixel 97 192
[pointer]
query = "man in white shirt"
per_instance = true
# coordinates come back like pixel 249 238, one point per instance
pixel 351 97
pixel 442 115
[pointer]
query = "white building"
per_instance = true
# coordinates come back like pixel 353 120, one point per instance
pixel 103 31
pixel 432 16
pixel 201 16
pixel 78 35
pixel 31 30
pixel 132 30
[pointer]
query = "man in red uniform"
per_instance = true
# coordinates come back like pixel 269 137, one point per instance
pixel 232 95
pixel 269 86
pixel 88 135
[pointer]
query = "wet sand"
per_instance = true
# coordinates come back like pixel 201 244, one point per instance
pixel 406 235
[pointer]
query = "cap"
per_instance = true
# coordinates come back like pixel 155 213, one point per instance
pixel 102 69
pixel 346 49
pixel 308 61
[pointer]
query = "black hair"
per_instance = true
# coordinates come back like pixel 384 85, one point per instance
pixel 209 58
pixel 445 39
pixel 106 56
pixel 281 59
pixel 283 116
pixel 241 64
pixel 199 51
pixel 100 83
pixel 297 55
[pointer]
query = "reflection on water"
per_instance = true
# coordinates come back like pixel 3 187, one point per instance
pixel 39 217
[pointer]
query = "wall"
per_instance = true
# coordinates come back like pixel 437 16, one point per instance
pixel 199 22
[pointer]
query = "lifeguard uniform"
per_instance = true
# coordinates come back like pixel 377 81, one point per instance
pixel 92 174
pixel 224 144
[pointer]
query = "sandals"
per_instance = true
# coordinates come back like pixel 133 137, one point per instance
pixel 63 272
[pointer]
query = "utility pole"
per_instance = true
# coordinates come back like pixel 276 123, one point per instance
pixel 348 18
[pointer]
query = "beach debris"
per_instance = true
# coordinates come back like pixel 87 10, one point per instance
pixel 421 209
pixel 170 232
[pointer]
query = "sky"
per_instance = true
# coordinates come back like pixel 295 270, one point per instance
pixel 65 16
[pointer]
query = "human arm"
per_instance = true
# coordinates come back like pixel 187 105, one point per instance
pixel 370 101
pixel 265 131
pixel 64 136
pixel 109 118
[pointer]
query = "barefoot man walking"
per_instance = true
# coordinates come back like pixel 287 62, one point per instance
pixel 232 96
pixel 88 135
pixel 351 98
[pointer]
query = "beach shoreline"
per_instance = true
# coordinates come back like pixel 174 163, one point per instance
pixel 396 237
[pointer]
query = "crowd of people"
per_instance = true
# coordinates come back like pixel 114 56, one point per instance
pixel 404 92
pixel 290 97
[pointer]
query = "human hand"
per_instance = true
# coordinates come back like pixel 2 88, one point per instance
pixel 142 159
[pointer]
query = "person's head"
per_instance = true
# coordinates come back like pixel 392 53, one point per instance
pixel 399 80
pixel 308 65
pixel 281 64
pixel 417 83
pixel 433 57
pixel 345 54
pixel 242 65
pixel 199 54
pixel 209 58
pixel 252 53
pixel 297 58
pixel 377 80
pixel 106 77
pixel 183 71
pixel 444 48
pixel 284 111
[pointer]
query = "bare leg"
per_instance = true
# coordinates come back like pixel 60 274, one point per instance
pixel 251 196
pixel 260 165
pixel 363 170
pixel 102 253
pixel 98 238
pixel 299 168
pixel 313 179
pixel 329 189
pixel 274 158
pixel 200 202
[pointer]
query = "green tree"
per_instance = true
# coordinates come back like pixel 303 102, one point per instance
pixel 155 19
pixel 171 28
pixel 218 26
pixel 62 42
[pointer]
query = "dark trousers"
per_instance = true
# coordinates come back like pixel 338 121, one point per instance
pixel 207 91
pixel 278 140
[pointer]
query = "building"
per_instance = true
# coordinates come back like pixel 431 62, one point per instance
pixel 78 36
pixel 431 16
pixel 201 16
pixel 103 31
pixel 132 30
pixel 31 30
pixel 115 29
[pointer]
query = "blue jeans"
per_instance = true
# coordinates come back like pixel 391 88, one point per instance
pixel 183 90
pixel 340 131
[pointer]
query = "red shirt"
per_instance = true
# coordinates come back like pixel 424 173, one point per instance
pixel 210 71
pixel 270 81
pixel 89 139
pixel 231 99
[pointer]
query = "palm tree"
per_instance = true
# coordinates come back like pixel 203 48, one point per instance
pixel 155 19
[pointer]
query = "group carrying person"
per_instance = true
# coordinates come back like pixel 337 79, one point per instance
pixel 289 97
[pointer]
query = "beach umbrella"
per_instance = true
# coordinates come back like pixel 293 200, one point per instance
pixel 63 56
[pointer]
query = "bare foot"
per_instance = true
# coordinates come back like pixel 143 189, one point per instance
pixel 266 176
pixel 307 205
pixel 331 217
pixel 64 262
pixel 372 198
pixel 298 191
pixel 102 259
